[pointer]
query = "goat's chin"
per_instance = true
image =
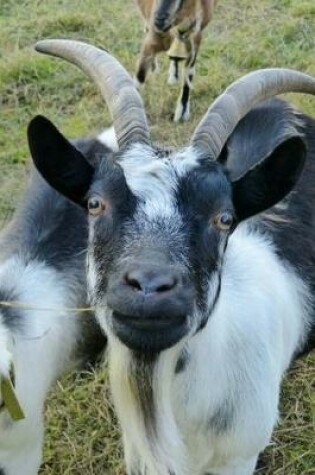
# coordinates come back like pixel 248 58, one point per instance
pixel 150 339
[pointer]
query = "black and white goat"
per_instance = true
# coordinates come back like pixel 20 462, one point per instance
pixel 174 22
pixel 42 274
pixel 201 264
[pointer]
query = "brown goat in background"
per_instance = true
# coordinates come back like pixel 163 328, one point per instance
pixel 174 26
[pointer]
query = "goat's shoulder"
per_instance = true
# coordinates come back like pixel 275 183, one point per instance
pixel 45 227
pixel 263 278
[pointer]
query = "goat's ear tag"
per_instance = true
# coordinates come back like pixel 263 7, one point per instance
pixel 10 400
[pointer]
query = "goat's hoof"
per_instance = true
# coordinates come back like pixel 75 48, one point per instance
pixel 172 80
pixel 136 82
pixel 182 113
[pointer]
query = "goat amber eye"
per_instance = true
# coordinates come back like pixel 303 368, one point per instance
pixel 224 221
pixel 96 206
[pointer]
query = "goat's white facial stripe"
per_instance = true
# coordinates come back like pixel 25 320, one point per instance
pixel 154 179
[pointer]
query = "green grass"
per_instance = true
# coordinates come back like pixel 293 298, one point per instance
pixel 82 435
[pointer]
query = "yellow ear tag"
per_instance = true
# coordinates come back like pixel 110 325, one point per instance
pixel 10 400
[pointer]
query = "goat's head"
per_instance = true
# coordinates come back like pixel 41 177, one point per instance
pixel 165 12
pixel 160 220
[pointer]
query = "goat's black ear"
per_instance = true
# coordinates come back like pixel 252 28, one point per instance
pixel 58 161
pixel 269 180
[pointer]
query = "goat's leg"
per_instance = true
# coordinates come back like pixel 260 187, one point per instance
pixel 182 111
pixel 155 65
pixel 21 452
pixel 39 355
pixel 153 43
pixel 21 441
pixel 173 74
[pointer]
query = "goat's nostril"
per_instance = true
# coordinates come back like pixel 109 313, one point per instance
pixel 133 282
pixel 167 285
pixel 150 281
pixel 162 24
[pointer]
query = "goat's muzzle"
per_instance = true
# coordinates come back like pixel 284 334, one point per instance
pixel 151 305
pixel 162 24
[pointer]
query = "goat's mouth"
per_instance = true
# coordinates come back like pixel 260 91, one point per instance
pixel 147 334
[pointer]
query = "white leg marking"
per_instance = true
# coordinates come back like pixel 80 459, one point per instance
pixel 180 113
pixel 155 66
pixel 173 73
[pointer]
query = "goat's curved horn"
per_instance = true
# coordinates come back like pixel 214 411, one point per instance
pixel 230 107
pixel 115 84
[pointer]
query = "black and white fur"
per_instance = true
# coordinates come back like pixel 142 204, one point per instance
pixel 202 400
pixel 43 254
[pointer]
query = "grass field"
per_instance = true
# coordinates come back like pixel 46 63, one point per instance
pixel 82 434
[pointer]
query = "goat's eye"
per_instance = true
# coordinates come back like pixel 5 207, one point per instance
pixel 224 221
pixel 96 206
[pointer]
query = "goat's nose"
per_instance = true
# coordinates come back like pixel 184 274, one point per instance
pixel 161 24
pixel 151 281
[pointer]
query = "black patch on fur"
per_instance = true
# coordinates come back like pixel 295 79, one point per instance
pixel 11 317
pixel 204 321
pixel 109 229
pixel 201 194
pixel 91 343
pixel 295 237
pixel 222 420
pixel 182 361
pixel 2 472
pixel 141 75
pixel 176 68
pixel 185 97
pixel 48 228
pixel 164 7
pixel 191 64
pixel 110 182
pixel 93 150
pixel 141 374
